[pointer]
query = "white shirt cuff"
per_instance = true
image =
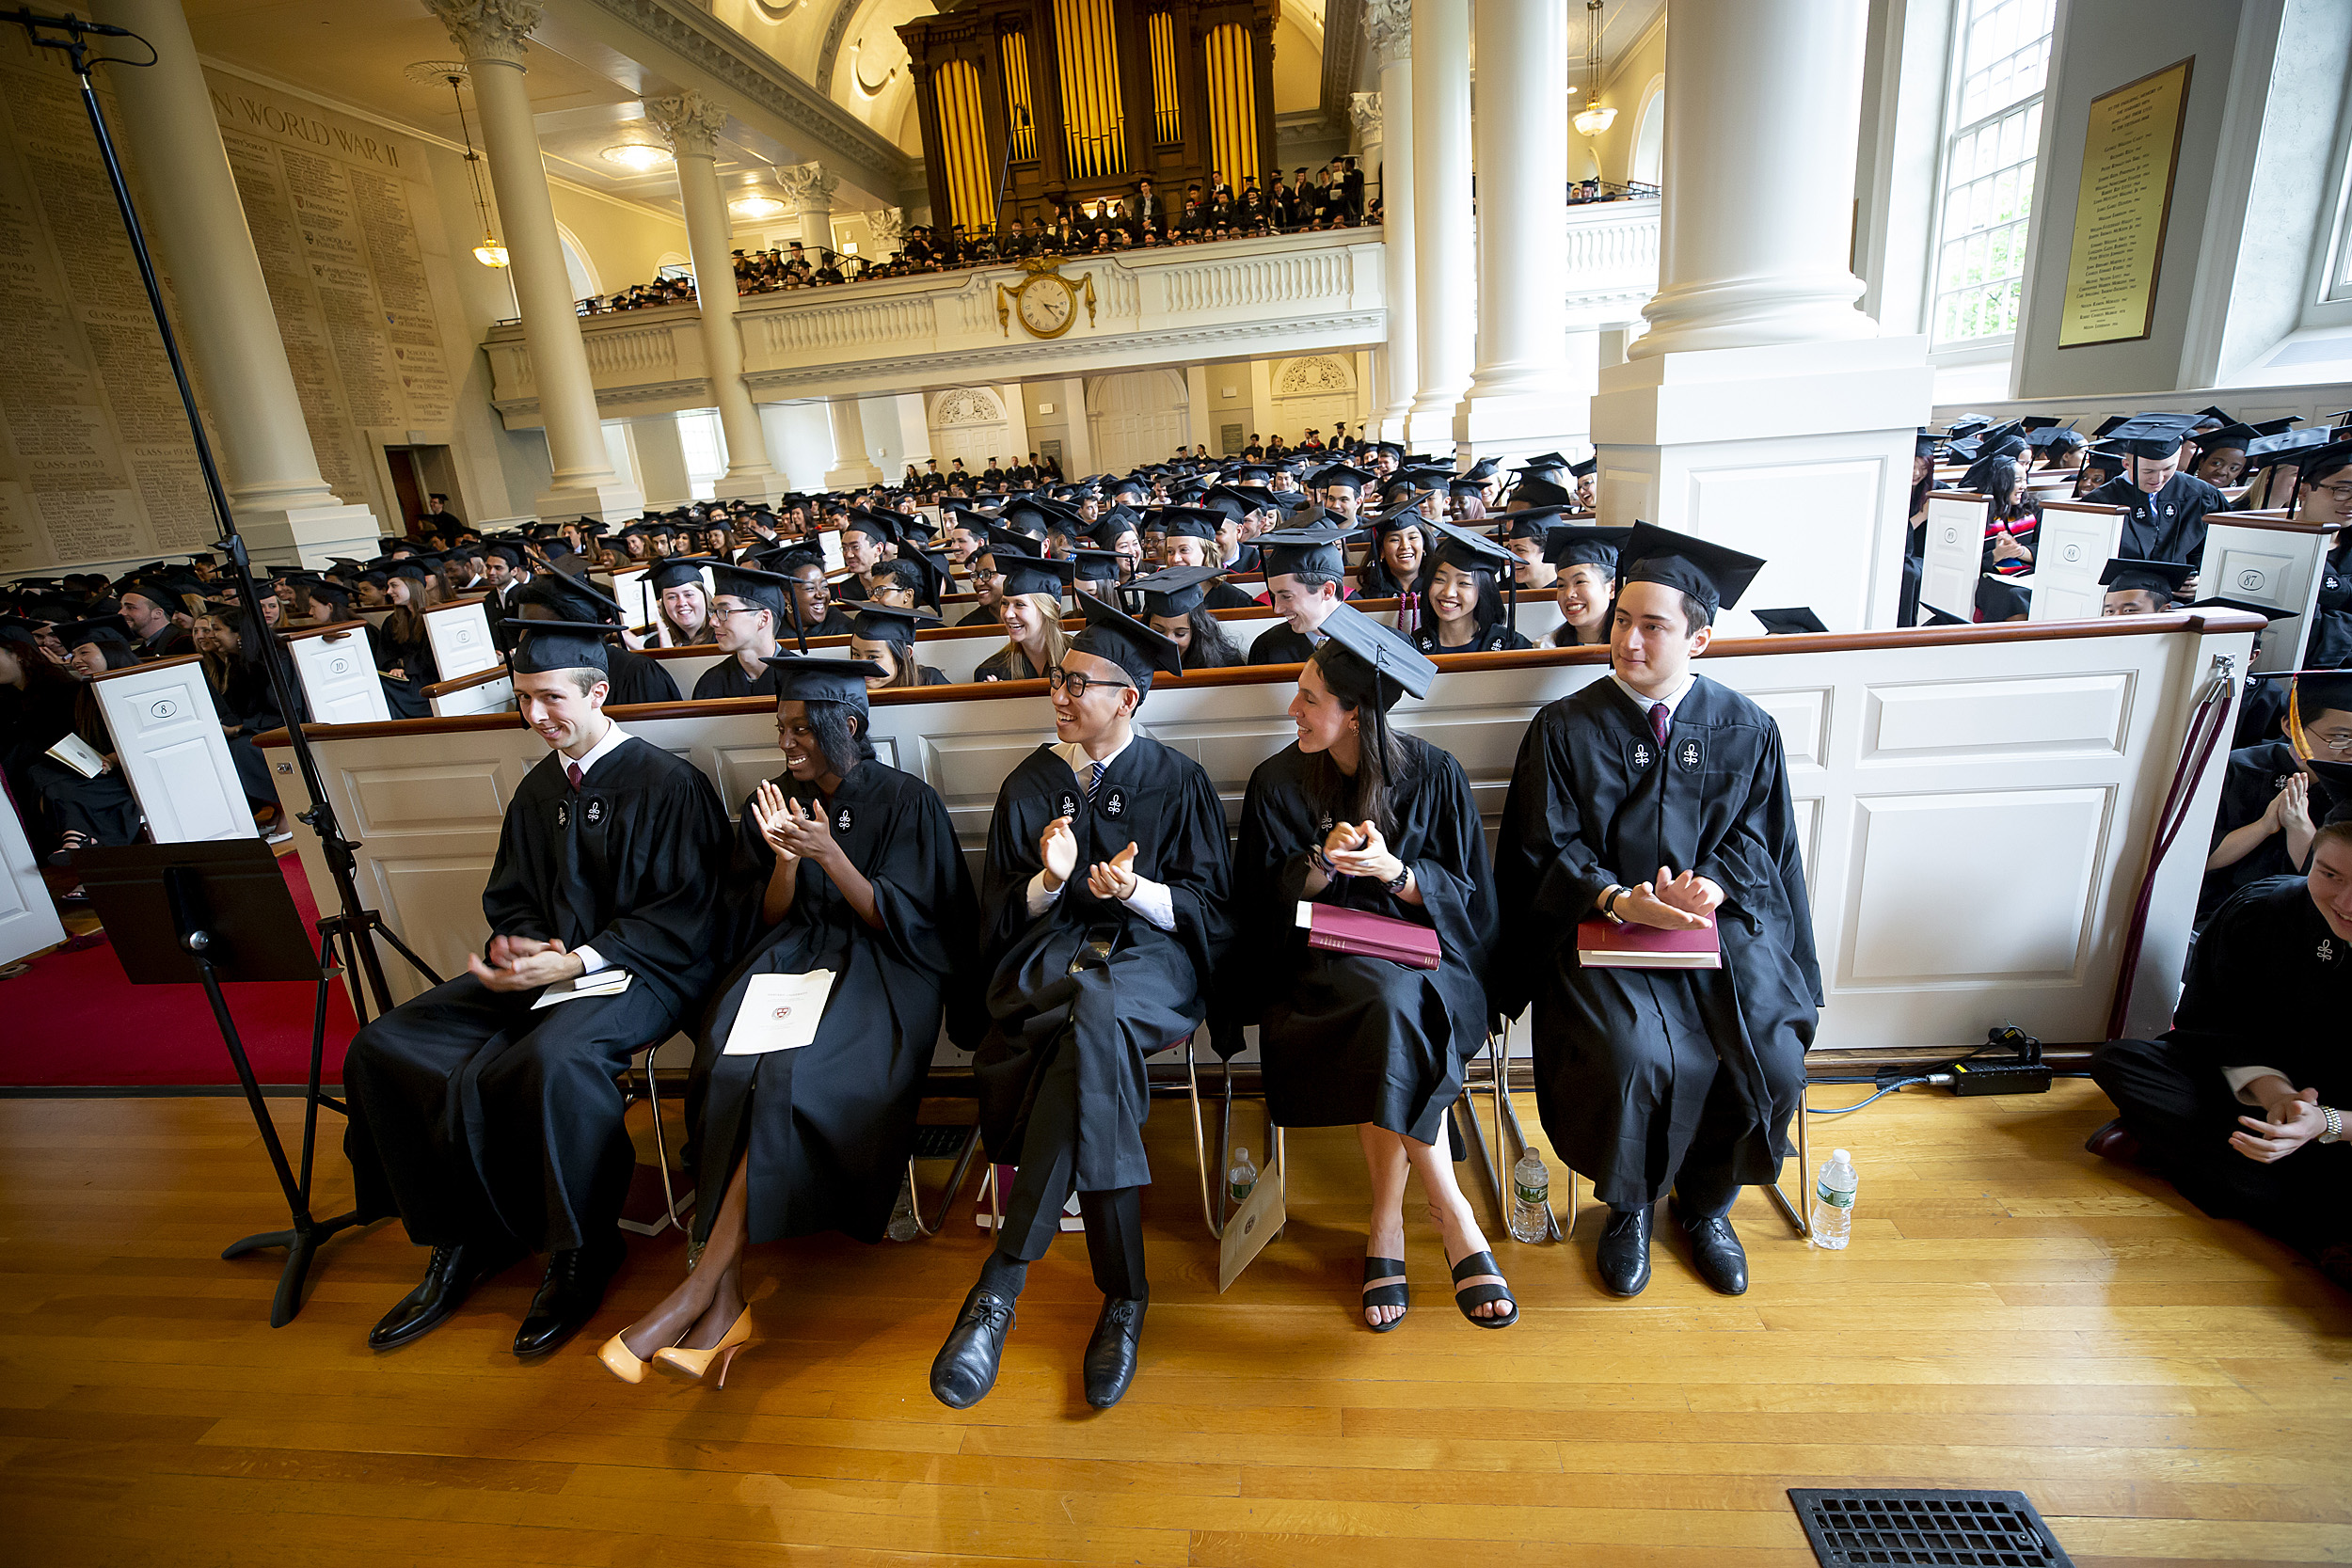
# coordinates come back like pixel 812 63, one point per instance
pixel 1040 898
pixel 591 957
pixel 2239 1077
pixel 1151 901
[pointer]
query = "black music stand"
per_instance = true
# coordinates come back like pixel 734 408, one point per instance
pixel 215 911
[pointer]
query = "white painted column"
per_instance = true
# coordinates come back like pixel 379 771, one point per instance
pixel 660 451
pixel 1201 408
pixel 189 203
pixel 1519 399
pixel 1016 402
pixel 583 485
pixel 810 189
pixel 1389 24
pixel 852 466
pixel 1261 397
pixel 915 431
pixel 690 124
pixel 1761 410
pixel 1078 440
pixel 1441 227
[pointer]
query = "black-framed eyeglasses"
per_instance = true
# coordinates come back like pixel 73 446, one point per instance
pixel 724 611
pixel 1077 684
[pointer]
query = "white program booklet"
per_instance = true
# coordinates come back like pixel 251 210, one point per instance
pixel 604 982
pixel 780 1012
pixel 77 754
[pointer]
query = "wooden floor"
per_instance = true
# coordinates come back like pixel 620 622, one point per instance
pixel 2011 1314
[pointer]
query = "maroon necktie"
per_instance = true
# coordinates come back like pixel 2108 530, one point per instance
pixel 1658 723
pixel 571 769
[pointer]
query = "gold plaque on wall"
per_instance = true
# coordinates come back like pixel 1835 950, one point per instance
pixel 2130 148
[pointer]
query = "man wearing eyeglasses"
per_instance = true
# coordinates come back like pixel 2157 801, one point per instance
pixel 1104 912
pixel 746 608
pixel 988 586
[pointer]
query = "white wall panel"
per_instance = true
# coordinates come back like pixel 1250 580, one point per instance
pixel 1990 720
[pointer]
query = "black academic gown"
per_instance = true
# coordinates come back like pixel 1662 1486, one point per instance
pixel 1348 1039
pixel 727 680
pixel 1625 1059
pixel 985 615
pixel 1498 636
pixel 636 678
pixel 2329 644
pixel 472 1115
pixel 2256 774
pixel 1279 645
pixel 1150 993
pixel 827 1128
pixel 2167 525
pixel 1227 596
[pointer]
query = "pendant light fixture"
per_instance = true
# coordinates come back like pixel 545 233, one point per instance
pixel 489 252
pixel 1592 119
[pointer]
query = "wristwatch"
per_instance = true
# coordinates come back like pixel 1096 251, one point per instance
pixel 2334 1119
pixel 1609 905
pixel 1404 875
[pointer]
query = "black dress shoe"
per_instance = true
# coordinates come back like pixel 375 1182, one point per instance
pixel 570 1296
pixel 2115 1142
pixel 1624 1256
pixel 449 1279
pixel 1111 1353
pixel 965 1369
pixel 1716 1253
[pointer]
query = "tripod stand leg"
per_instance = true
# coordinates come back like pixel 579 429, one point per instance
pixel 301 1246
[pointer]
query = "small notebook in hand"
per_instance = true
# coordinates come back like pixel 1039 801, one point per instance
pixel 1602 944
pixel 1336 928
pixel 78 754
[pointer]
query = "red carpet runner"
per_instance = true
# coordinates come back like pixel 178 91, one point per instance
pixel 74 1020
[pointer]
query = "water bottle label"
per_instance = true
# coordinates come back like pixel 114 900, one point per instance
pixel 1239 1191
pixel 1834 1198
pixel 1533 1197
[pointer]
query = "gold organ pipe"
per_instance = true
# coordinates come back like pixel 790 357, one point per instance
pixel 1162 33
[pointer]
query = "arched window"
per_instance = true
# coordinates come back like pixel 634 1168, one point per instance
pixel 1649 135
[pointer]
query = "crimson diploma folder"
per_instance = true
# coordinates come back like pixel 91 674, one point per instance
pixel 1338 929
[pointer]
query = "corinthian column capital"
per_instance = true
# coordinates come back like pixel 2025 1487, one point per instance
pixel 488 29
pixel 1390 23
pixel 690 122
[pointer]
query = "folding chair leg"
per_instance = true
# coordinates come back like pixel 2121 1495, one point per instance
pixel 661 1147
pixel 955 1184
pixel 1201 1142
pixel 1506 1114
pixel 1794 1215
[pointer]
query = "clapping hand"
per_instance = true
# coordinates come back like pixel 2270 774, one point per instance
pixel 2293 803
pixel 1356 849
pixel 804 832
pixel 524 963
pixel 1671 903
pixel 1058 847
pixel 1114 877
pixel 770 816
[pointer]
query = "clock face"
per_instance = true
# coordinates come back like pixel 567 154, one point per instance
pixel 1047 306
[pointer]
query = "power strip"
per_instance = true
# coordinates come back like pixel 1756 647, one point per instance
pixel 1998 1077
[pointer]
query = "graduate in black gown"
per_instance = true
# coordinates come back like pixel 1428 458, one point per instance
pixel 492 1128
pixel 1355 814
pixel 1102 916
pixel 2167 506
pixel 747 617
pixel 1175 604
pixel 2245 1103
pixel 2272 800
pixel 1658 797
pixel 1306 579
pixel 846 865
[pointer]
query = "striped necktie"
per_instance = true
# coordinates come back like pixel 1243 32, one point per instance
pixel 1094 778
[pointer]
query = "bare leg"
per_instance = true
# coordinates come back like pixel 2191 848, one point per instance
pixel 1456 1223
pixel 1385 1163
pixel 714 1287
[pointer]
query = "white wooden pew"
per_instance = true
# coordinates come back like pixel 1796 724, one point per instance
pixel 2072 550
pixel 2261 558
pixel 170 748
pixel 1975 802
pixel 459 635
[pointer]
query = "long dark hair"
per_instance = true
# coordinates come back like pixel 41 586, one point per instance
pixel 1213 646
pixel 1484 616
pixel 840 731
pixel 1381 764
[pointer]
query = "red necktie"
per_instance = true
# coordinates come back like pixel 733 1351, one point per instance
pixel 1658 723
pixel 571 771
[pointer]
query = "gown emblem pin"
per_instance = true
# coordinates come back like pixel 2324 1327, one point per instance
pixel 841 822
pixel 1688 756
pixel 1115 802
pixel 562 814
pixel 1643 756
pixel 593 813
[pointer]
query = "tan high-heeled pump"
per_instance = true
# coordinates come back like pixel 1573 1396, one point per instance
pixel 696 1363
pixel 622 1362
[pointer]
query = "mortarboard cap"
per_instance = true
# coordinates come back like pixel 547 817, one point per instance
pixel 1788 622
pixel 1712 574
pixel 679 571
pixel 572 598
pixel 1536 491
pixel 2153 436
pixel 754 586
pixel 1175 590
pixel 802 679
pixel 100 630
pixel 2125 575
pixel 1344 476
pixel 542 647
pixel 2268 611
pixel 1029 574
pixel 2286 445
pixel 1584 545
pixel 886 624
pixel 1466 551
pixel 2109 426
pixel 1372 663
pixel 1113 634
pixel 1941 617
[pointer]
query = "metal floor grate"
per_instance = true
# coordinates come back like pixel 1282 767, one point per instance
pixel 1926 1530
pixel 940 1143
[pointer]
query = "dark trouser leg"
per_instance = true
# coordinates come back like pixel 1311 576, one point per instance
pixel 1705 1187
pixel 407 1142
pixel 2183 1112
pixel 1041 1186
pixel 545 1114
pixel 1115 1241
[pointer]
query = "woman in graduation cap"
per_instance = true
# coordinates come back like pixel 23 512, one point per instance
pixel 403 650
pixel 37 708
pixel 1030 610
pixel 1356 815
pixel 1461 603
pixel 1400 560
pixel 842 864
pixel 244 703
pixel 1587 588
pixel 883 636
pixel 1658 797
pixel 1176 605
pixel 684 600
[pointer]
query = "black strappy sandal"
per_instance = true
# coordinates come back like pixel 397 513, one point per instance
pixel 1471 1297
pixel 1397 1293
pixel 68 842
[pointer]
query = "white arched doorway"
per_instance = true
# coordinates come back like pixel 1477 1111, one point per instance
pixel 1136 418
pixel 1649 135
pixel 967 423
pixel 1314 391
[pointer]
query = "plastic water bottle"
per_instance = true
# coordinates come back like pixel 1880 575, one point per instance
pixel 1832 1202
pixel 1243 1177
pixel 1531 1197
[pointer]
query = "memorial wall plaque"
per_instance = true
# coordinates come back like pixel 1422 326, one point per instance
pixel 2130 147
